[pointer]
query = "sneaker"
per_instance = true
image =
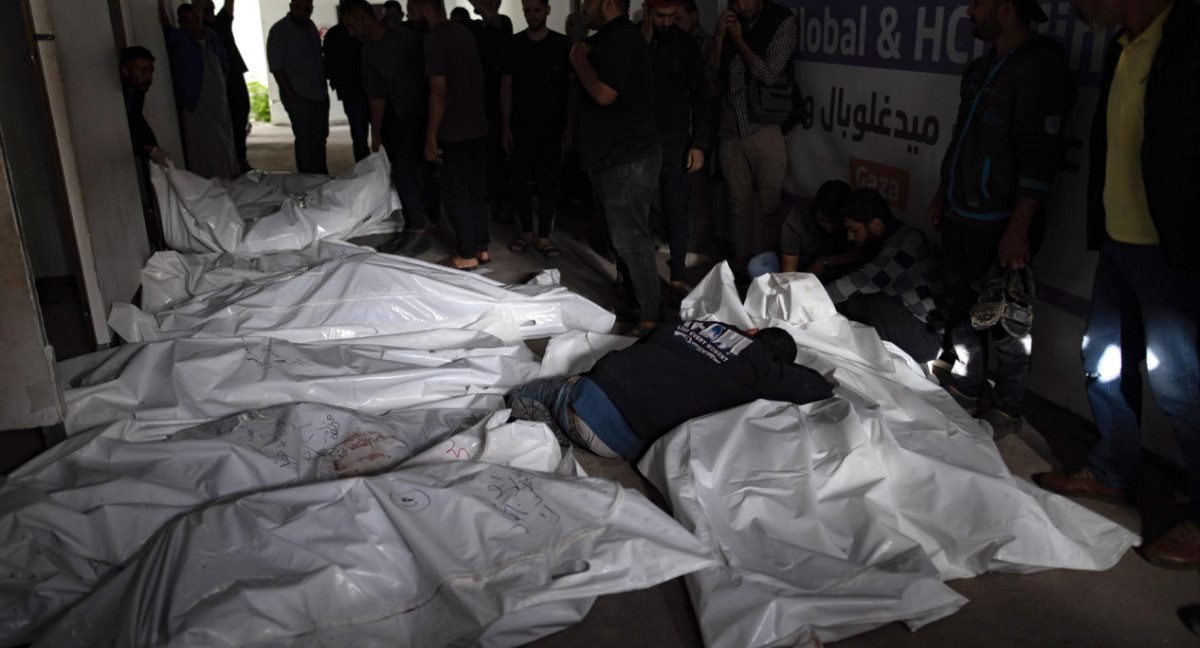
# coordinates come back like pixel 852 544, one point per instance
pixel 989 310
pixel 1178 549
pixel 1003 423
pixel 1018 308
pixel 1081 483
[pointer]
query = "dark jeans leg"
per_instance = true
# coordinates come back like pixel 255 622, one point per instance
pixel 239 114
pixel 405 150
pixel 1142 310
pixel 548 173
pixel 310 126
pixel 894 323
pixel 673 189
pixel 359 116
pixel 464 180
pixel 700 226
pixel 968 252
pixel 521 170
pixel 626 192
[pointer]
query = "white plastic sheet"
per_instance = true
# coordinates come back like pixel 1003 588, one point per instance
pixel 430 555
pixel 840 516
pixel 76 522
pixel 328 292
pixel 149 391
pixel 263 212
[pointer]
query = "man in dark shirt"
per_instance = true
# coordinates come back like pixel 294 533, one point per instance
pixel 492 32
pixel 456 124
pixel 137 74
pixel 235 81
pixel 681 104
pixel 634 396
pixel 295 60
pixel 393 74
pixel 343 69
pixel 534 78
pixel 619 147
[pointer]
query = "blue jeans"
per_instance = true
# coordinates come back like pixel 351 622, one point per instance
pixel 550 401
pixel 1142 310
pixel 761 264
pixel 623 196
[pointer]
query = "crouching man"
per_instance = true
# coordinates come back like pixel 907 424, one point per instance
pixel 897 291
pixel 634 396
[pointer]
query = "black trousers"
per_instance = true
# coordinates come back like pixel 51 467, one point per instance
pixel 536 168
pixel 464 193
pixel 414 177
pixel 239 114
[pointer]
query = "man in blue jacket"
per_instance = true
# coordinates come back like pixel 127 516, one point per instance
pixel 1142 216
pixel 674 374
pixel 1008 145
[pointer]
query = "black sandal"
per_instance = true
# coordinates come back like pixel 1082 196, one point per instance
pixel 548 250
pixel 518 245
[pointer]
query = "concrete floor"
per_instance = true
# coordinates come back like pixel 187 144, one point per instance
pixel 1132 605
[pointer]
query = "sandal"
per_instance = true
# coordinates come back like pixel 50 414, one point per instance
pixel 518 245
pixel 549 250
pixel 459 263
pixel 483 258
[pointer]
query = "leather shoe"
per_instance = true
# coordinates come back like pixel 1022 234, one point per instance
pixel 1178 549
pixel 1081 483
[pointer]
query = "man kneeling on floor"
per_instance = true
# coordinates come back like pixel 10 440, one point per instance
pixel 895 292
pixel 634 396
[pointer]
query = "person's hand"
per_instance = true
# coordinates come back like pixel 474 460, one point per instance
pixel 816 269
pixel 731 25
pixel 506 140
pixel 579 53
pixel 431 152
pixel 1015 252
pixel 161 158
pixel 695 160
pixel 937 209
pixel 647 26
pixel 722 23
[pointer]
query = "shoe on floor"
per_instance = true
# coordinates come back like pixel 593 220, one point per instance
pixel 1003 423
pixel 965 401
pixel 1081 483
pixel 1178 549
pixel 410 244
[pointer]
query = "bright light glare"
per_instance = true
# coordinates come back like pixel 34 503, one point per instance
pixel 1109 368
pixel 960 363
pixel 1152 360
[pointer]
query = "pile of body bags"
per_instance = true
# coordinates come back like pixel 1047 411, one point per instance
pixel 309 448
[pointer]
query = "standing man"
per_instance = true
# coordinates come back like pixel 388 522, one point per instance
pixel 1008 145
pixel 534 83
pixel 492 33
pixel 235 81
pixel 619 148
pixel 700 208
pixel 1142 202
pixel 457 125
pixel 137 74
pixel 393 71
pixel 294 56
pixel 198 67
pixel 755 41
pixel 343 68
pixel 681 107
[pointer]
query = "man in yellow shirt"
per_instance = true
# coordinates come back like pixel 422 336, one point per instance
pixel 1144 217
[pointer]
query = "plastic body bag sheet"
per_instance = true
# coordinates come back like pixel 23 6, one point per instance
pixel 327 293
pixel 428 555
pixel 262 212
pixel 148 391
pixel 840 516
